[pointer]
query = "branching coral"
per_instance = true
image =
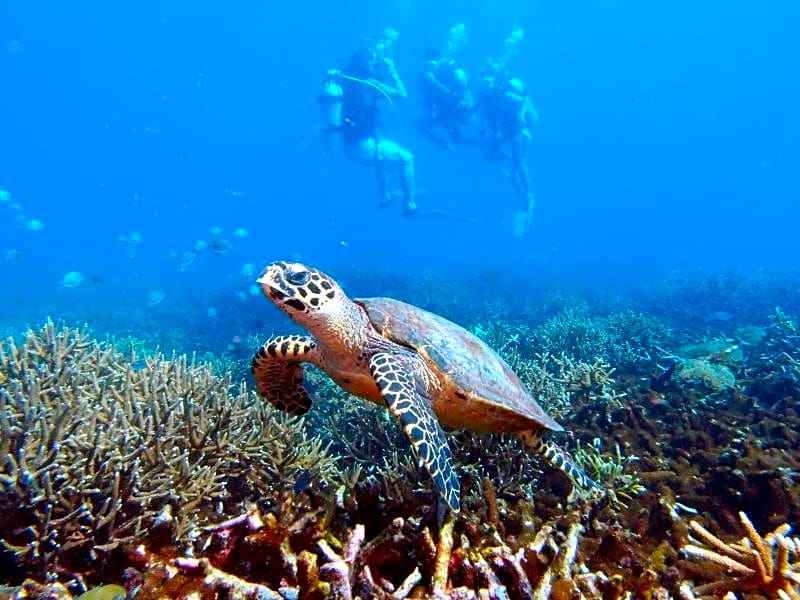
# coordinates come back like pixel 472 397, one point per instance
pixel 623 339
pixel 560 382
pixel 775 368
pixel 767 564
pixel 611 471
pixel 98 448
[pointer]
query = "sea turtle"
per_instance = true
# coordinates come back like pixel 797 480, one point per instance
pixel 423 368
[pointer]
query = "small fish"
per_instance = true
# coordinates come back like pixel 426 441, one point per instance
pixel 661 380
pixel 72 279
pixel 155 297
pixel 655 398
pixel 720 316
pixel 34 225
pixel 13 254
pixel 187 258
pixel 134 239
pixel 302 482
pixel 220 246
pixel 235 192
pixel 15 48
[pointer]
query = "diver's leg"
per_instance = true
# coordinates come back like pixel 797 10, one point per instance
pixel 383 194
pixel 391 152
pixel 437 131
pixel 520 179
pixel 407 184
pixel 367 152
pixel 519 170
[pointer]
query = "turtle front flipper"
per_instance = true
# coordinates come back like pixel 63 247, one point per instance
pixel 560 458
pixel 407 399
pixel 278 372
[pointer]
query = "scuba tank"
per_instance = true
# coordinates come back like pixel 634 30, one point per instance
pixel 330 101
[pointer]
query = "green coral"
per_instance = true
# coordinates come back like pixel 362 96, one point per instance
pixel 611 470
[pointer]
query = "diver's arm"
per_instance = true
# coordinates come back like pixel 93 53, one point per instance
pixel 467 102
pixel 431 78
pixel 515 98
pixel 396 88
pixel 529 113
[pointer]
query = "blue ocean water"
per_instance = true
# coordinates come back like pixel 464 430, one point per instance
pixel 667 140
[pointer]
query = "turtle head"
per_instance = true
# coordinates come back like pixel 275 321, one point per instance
pixel 304 293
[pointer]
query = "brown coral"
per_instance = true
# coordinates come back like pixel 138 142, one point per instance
pixel 767 564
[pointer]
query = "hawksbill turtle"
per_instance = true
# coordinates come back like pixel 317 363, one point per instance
pixel 425 369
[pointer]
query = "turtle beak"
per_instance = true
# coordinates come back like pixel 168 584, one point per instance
pixel 270 282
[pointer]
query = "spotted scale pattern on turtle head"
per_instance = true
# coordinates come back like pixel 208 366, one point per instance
pixel 304 293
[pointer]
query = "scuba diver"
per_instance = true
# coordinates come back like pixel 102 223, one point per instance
pixel 350 103
pixel 444 93
pixel 509 116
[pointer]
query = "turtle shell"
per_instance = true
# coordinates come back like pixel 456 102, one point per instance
pixel 482 391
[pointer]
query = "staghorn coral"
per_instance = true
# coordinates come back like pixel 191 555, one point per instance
pixel 561 383
pixel 100 450
pixel 693 296
pixel 624 339
pixel 774 371
pixel 765 564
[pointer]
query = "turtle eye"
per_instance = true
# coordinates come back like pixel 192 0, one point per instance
pixel 297 277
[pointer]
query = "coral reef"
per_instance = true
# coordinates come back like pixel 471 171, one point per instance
pixel 713 376
pixel 159 474
pixel 622 339
pixel 99 450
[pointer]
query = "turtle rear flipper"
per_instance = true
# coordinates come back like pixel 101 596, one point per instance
pixel 278 372
pixel 407 399
pixel 560 458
